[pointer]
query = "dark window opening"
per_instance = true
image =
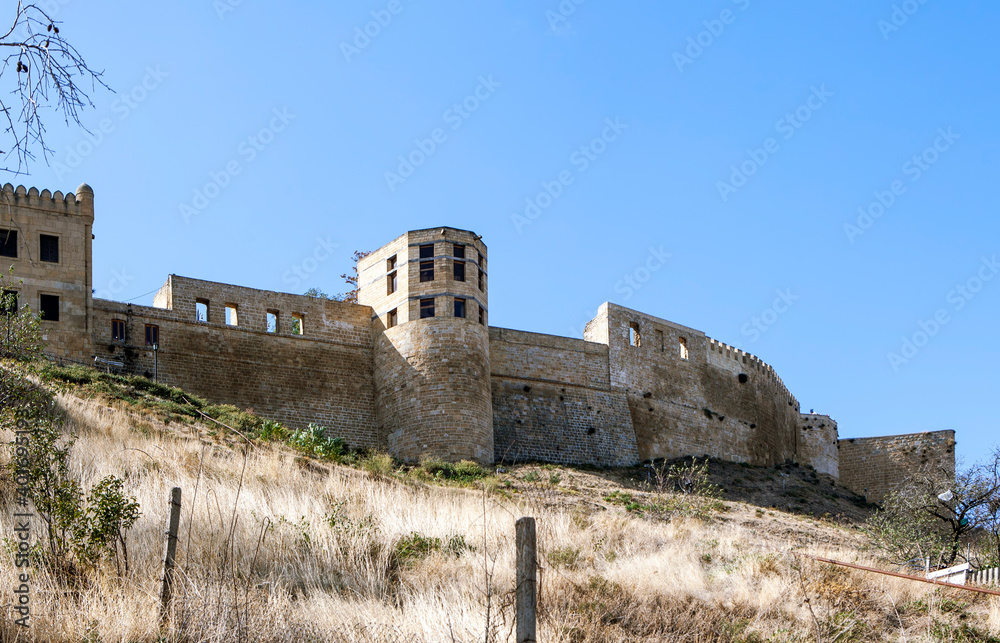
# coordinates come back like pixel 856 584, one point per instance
pixel 392 318
pixel 743 378
pixel 118 330
pixel 482 315
pixel 48 305
pixel 8 243
pixel 459 251
pixel 152 335
pixel 272 321
pixel 482 281
pixel 8 303
pixel 201 310
pixel 459 308
pixel 482 260
pixel 426 271
pixel 427 251
pixel 426 308
pixel 390 263
pixel 391 282
pixel 459 271
pixel 48 248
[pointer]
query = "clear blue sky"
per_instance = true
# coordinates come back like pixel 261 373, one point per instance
pixel 823 105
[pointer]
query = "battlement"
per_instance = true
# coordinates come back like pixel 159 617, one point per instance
pixel 81 203
pixel 747 359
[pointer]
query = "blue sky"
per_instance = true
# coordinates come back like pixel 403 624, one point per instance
pixel 729 145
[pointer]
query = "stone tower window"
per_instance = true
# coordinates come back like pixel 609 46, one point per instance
pixel 426 308
pixel 634 338
pixel 459 251
pixel 48 250
pixel 482 315
pixel 391 282
pixel 8 243
pixel 427 251
pixel 48 305
pixel 459 271
pixel 118 330
pixel 201 310
pixel 482 280
pixel 298 324
pixel 482 261
pixel 683 345
pixel 390 263
pixel 392 318
pixel 427 270
pixel 459 307
pixel 232 315
pixel 272 321
pixel 152 335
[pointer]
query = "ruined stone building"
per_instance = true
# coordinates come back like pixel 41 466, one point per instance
pixel 415 367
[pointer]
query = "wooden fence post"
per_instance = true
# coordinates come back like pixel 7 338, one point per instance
pixel 170 551
pixel 527 598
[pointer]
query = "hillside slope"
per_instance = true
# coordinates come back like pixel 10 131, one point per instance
pixel 276 546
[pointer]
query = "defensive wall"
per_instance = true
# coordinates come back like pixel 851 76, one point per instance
pixel 415 368
pixel 875 466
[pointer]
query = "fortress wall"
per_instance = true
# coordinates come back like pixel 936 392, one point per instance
pixel 432 379
pixel 697 405
pixel 879 464
pixel 289 378
pixel 28 214
pixel 818 444
pixel 552 401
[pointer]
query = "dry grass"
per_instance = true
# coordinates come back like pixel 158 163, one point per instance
pixel 337 554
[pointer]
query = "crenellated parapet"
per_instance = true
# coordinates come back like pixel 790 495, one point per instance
pixel 748 360
pixel 80 203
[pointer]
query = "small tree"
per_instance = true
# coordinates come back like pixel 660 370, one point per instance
pixel 351 296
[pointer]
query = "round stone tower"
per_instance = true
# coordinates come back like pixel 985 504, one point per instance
pixel 428 290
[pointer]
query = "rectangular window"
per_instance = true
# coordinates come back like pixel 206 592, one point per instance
pixel 459 271
pixel 298 324
pixel 426 308
pixel 482 315
pixel 201 310
pixel 482 260
pixel 8 303
pixel 390 263
pixel 427 251
pixel 426 271
pixel 152 335
pixel 634 339
pixel 49 307
pixel 391 282
pixel 118 330
pixel 391 319
pixel 459 308
pixel 459 251
pixel 272 321
pixel 48 248
pixel 232 316
pixel 683 344
pixel 8 243
pixel 482 281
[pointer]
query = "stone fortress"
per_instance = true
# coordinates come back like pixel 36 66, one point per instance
pixel 415 368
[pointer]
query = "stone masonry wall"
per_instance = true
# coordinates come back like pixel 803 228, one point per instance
pixel 818 445
pixel 879 464
pixel 30 214
pixel 552 401
pixel 323 376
